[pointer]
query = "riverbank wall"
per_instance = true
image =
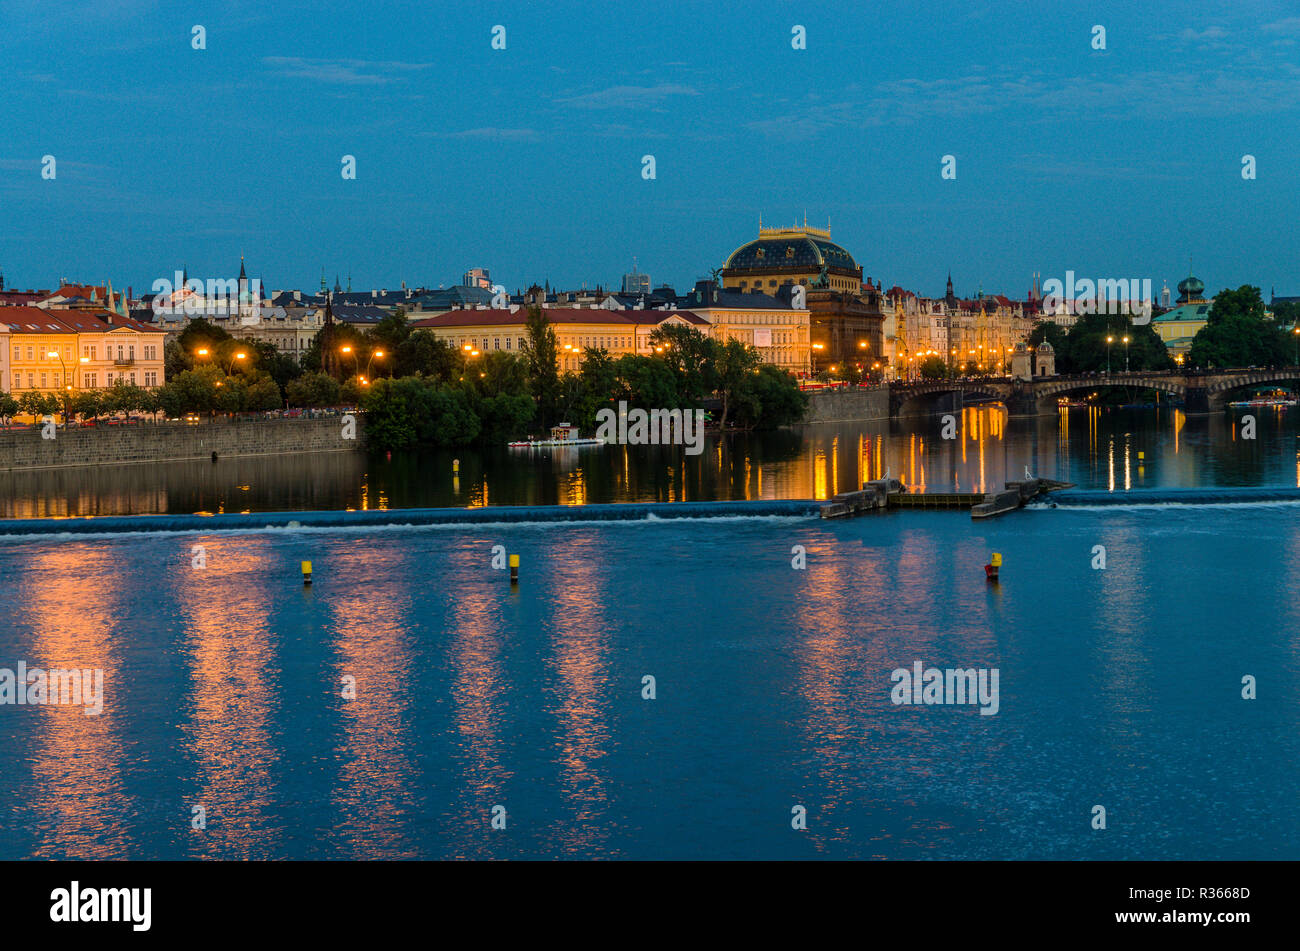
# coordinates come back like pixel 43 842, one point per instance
pixel 847 405
pixel 176 442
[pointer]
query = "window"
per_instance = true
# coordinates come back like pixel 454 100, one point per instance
pixel 18 381
pixel 507 343
pixel 18 354
pixel 43 383
pixel 29 353
pixel 31 381
pixel 496 344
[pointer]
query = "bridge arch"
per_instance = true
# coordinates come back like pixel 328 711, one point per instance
pixel 900 395
pixel 1224 386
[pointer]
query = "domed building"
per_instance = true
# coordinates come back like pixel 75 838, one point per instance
pixel 782 256
pixel 1191 290
pixel 845 319
pixel 1178 327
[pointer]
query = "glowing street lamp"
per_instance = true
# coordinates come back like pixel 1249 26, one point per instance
pixel 1109 341
pixel 1126 353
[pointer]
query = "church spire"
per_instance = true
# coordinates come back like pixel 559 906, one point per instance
pixel 242 276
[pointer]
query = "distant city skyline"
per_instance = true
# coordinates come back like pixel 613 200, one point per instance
pixel 1124 162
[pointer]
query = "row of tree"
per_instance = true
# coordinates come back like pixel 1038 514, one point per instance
pixel 452 399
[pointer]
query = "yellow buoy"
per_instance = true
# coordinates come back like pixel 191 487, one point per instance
pixel 306 572
pixel 514 569
pixel 996 561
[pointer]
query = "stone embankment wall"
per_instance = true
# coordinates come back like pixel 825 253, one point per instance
pixel 829 406
pixel 166 442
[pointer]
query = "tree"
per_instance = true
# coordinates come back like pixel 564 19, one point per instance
pixel 1051 332
pixel 391 332
pixel 314 389
pixel 934 368
pixel 1237 334
pixel 1085 347
pixel 541 351
pixel 691 355
pixel 8 408
pixel 193 391
pixel 769 398
pixel 263 394
pixel 734 361
pixel 645 382
pixel 425 354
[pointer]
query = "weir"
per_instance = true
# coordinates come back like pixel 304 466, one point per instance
pixel 880 495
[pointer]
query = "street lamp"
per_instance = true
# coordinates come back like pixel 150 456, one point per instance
pixel 816 347
pixel 373 354
pixel 1109 341
pixel 356 361
pixel 239 356
pixel 1295 332
pixel 1126 353
pixel 63 381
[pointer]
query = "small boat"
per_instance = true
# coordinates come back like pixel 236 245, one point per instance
pixel 562 437
pixel 1271 402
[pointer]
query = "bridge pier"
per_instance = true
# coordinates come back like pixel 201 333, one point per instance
pixel 1197 400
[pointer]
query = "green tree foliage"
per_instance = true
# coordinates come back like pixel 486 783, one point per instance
pixel 1236 334
pixel 1085 346
pixel 263 394
pixel 413 411
pixel 934 368
pixel 390 333
pixel 193 391
pixel 427 355
pixel 769 398
pixel 691 356
pixel 1049 331
pixel 733 364
pixel 541 351
pixel 314 389
pixel 9 408
pixel 645 382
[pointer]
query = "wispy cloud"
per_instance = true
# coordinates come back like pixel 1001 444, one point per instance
pixel 1153 94
pixel 628 97
pixel 1288 27
pixel 349 72
pixel 492 132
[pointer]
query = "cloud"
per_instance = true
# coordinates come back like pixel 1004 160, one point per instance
pixel 628 97
pixel 1209 34
pixel 1242 89
pixel 1290 26
pixel 492 132
pixel 350 72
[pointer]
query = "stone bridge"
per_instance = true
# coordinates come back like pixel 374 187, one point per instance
pixel 1202 391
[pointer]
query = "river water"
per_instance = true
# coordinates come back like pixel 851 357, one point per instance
pixel 1094 448
pixel 223 690
pixel 410 695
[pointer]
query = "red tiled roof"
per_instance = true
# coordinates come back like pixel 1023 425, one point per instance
pixel 556 315
pixel 56 320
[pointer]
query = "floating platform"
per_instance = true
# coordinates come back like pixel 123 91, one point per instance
pixel 890 495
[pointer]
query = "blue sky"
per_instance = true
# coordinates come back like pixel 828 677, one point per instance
pixel 1119 163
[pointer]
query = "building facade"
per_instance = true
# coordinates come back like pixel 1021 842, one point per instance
pixel 51 350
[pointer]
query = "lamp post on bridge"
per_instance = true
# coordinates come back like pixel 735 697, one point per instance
pixel 1125 353
pixel 1109 341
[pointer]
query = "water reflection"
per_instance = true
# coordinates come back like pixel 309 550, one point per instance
pixel 234 700
pixel 1090 446
pixel 373 790
pixel 580 631
pixel 80 805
